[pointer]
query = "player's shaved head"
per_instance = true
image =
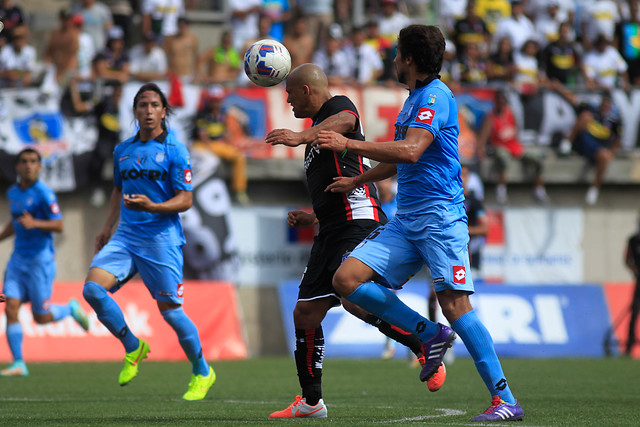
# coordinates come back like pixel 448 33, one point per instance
pixel 310 75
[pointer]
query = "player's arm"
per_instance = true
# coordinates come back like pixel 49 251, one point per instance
pixel 49 225
pixel 628 258
pixel 181 202
pixel 481 228
pixel 301 219
pixel 7 231
pixel 345 184
pixel 407 150
pixel 342 123
pixel 112 217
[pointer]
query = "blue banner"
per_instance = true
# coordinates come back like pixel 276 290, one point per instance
pixel 524 321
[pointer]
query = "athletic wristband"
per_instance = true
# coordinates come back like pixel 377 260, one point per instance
pixel 344 152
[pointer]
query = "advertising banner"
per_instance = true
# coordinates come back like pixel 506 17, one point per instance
pixel 524 321
pixel 212 306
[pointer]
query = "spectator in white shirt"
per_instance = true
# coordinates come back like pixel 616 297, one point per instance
pixel 97 21
pixel 366 64
pixel 161 16
pixel 148 60
pixel 604 67
pixel 392 20
pixel 244 21
pixel 600 17
pixel 333 59
pixel 518 27
pixel 17 60
pixel 548 23
pixel 86 48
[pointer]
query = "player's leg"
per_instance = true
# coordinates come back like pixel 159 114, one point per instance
pixel 40 289
pixel 449 264
pixel 161 271
pixel 309 357
pixel 635 310
pixel 15 292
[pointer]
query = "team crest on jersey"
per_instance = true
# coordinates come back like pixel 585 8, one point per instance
pixel 425 115
pixel 159 157
pixel 187 176
pixel 180 291
pixel 141 159
pixel 55 209
pixel 459 274
pixel 431 99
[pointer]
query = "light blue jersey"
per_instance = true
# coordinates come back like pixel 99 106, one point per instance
pixel 156 169
pixel 41 203
pixel 436 175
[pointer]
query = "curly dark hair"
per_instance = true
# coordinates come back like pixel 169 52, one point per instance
pixel 425 44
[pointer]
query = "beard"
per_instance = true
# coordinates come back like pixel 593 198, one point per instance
pixel 402 76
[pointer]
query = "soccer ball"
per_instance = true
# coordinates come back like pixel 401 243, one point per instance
pixel 267 62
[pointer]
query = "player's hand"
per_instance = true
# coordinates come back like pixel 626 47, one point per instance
pixel 101 239
pixel 2 298
pixel 284 137
pixel 138 202
pixel 330 140
pixel 300 219
pixel 27 221
pixel 341 184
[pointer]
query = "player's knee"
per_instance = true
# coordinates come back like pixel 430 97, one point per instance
pixel 93 292
pixel 41 319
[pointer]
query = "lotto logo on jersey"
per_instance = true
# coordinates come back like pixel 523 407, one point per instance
pixel 459 274
pixel 187 176
pixel 55 209
pixel 425 115
pixel 180 291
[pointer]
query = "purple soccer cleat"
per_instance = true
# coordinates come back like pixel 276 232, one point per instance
pixel 434 350
pixel 501 411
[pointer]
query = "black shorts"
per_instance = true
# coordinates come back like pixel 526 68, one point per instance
pixel 329 249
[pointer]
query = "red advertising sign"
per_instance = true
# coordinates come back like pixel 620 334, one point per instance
pixel 212 306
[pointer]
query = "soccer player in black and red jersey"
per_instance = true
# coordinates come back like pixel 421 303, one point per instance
pixel 345 219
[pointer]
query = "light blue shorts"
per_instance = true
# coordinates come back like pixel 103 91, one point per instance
pixel 437 237
pixel 29 279
pixel 160 267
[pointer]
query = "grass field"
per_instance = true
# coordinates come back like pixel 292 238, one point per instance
pixel 558 392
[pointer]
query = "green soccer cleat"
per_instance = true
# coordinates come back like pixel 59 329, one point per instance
pixel 131 361
pixel 200 385
pixel 78 314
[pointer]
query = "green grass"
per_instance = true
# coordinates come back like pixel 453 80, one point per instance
pixel 557 392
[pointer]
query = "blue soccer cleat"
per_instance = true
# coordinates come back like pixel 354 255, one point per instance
pixel 501 411
pixel 16 369
pixel 434 350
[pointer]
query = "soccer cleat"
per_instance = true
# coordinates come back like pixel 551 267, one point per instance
pixel 200 385
pixel 16 369
pixel 300 409
pixel 3 298
pixel 437 380
pixel 79 315
pixel 131 361
pixel 434 350
pixel 501 411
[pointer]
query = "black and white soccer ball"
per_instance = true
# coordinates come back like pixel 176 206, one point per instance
pixel 267 62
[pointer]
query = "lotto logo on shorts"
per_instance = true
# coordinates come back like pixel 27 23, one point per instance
pixel 425 115
pixel 459 274
pixel 180 291
pixel 187 176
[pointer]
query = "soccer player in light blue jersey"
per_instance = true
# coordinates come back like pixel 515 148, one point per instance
pixel 152 184
pixel 430 226
pixel 35 216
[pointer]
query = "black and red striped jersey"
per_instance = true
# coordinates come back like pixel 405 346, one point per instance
pixel 321 166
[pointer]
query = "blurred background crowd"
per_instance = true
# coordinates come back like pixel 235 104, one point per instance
pixel 523 47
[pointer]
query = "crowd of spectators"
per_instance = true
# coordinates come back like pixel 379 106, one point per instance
pixel 524 46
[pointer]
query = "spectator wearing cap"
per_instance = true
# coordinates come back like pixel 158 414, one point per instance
pixel 86 48
pixel 332 58
pixel 604 67
pixel 220 64
pixel 112 63
pixel 17 60
pixel 161 17
pixel 148 60
pixel 299 42
pixel 182 51
pixel 213 130
pixel 391 21
pixel 366 63
pixel 62 48
pixel 12 16
pixel 97 21
pixel 517 27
